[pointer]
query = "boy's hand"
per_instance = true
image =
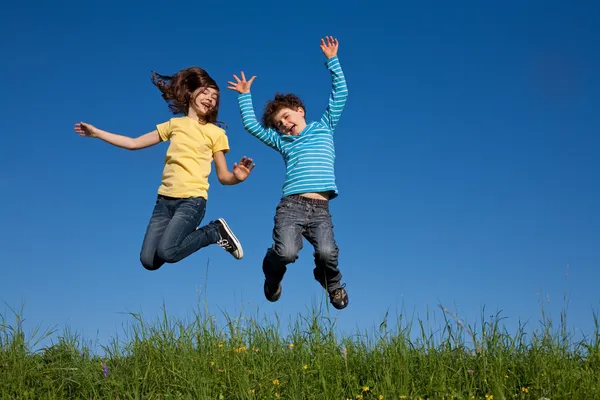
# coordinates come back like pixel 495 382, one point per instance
pixel 86 130
pixel 329 47
pixel 243 169
pixel 242 86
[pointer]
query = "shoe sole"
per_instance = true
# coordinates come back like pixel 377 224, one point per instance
pixel 276 295
pixel 344 305
pixel 235 240
pixel 341 308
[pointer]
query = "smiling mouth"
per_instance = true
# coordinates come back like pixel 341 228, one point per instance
pixel 292 129
pixel 207 105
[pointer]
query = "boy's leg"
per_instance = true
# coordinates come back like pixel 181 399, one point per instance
pixel 159 220
pixel 181 237
pixel 326 272
pixel 287 242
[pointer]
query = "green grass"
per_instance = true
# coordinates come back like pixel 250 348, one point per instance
pixel 245 358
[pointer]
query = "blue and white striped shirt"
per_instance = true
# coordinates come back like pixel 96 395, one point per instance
pixel 310 156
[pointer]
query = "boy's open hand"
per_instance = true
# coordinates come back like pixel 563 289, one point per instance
pixel 243 169
pixel 329 46
pixel 242 85
pixel 86 129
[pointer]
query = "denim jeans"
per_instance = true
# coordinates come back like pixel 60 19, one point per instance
pixel 297 217
pixel 172 235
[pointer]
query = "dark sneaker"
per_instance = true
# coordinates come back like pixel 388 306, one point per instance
pixel 228 241
pixel 272 292
pixel 339 297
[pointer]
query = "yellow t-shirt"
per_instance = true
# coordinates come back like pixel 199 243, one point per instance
pixel 189 156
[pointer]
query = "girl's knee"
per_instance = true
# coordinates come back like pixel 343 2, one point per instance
pixel 168 254
pixel 148 262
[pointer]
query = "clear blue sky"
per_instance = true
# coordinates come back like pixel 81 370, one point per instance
pixel 467 157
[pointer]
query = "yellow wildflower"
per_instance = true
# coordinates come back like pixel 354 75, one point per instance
pixel 380 397
pixel 365 389
pixel 220 345
pixel 275 381
pixel 277 395
pixel 212 363
pixel 305 367
pixel 525 390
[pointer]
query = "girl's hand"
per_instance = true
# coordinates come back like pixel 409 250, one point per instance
pixel 241 86
pixel 86 130
pixel 243 169
pixel 330 47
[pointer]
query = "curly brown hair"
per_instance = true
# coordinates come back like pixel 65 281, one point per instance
pixel 280 101
pixel 177 90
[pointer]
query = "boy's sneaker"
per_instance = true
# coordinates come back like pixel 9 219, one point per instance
pixel 339 297
pixel 272 292
pixel 228 241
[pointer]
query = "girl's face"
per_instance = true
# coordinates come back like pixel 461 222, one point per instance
pixel 205 100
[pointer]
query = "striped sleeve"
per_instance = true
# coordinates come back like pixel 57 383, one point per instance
pixel 251 125
pixel 338 96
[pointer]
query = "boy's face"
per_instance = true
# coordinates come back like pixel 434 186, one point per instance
pixel 289 121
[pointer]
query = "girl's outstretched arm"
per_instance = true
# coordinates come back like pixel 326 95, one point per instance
pixel 240 171
pixel 124 142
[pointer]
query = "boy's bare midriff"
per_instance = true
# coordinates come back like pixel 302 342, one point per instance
pixel 317 196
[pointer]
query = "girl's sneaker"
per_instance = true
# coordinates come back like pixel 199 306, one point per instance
pixel 228 241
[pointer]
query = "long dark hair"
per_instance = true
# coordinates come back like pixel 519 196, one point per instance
pixel 178 89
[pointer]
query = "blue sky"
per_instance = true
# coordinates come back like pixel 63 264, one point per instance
pixel 466 157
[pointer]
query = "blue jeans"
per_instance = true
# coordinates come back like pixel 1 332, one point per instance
pixel 172 235
pixel 297 217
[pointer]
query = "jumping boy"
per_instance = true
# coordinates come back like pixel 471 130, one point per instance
pixel 309 154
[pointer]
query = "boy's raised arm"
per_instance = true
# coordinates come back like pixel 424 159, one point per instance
pixel 251 124
pixel 339 91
